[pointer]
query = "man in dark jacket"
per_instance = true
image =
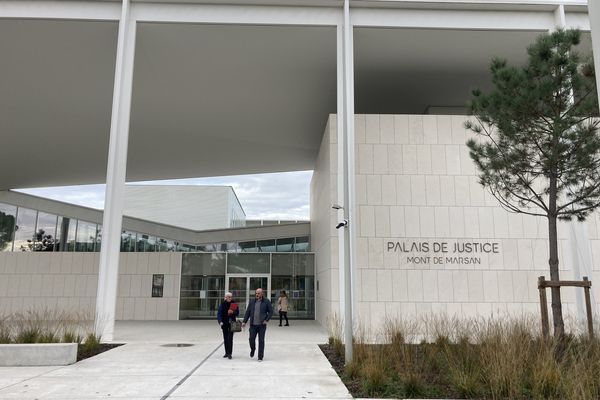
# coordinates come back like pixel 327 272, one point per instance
pixel 259 313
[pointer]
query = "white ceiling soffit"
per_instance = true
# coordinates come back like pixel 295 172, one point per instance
pixel 213 100
pixel 409 70
pixel 208 100
pixel 55 101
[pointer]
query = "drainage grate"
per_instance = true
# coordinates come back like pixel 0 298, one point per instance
pixel 177 345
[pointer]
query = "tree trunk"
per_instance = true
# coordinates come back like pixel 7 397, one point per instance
pixel 557 317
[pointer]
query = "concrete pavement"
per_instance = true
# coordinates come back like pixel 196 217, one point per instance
pixel 294 367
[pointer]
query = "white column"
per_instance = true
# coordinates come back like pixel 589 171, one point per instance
pixel 108 275
pixel 581 253
pixel 594 14
pixel 560 20
pixel 341 166
pixel 346 177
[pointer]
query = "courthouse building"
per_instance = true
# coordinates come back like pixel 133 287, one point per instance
pixel 370 94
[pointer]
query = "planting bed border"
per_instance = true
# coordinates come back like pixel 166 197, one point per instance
pixel 37 354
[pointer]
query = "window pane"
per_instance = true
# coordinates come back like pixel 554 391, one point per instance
pixel 142 242
pixel 8 215
pixel 128 240
pixel 162 244
pixel 98 246
pixel 266 246
pixel 203 264
pixel 304 264
pixel 232 247
pixel 151 245
pixel 57 239
pixel 25 229
pixel 72 230
pixel 245 263
pixel 302 244
pixel 285 245
pixel 283 264
pixel 170 245
pixel 248 247
pixel 86 236
pixel 45 236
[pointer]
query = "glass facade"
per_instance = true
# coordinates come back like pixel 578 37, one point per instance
pixel 294 273
pixel 23 229
pixel 45 233
pixel 86 236
pixel 202 284
pixel 206 276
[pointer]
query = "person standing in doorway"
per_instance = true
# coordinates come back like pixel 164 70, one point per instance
pixel 282 307
pixel 228 311
pixel 259 313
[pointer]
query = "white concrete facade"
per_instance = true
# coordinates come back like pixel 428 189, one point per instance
pixel 193 207
pixel 68 282
pixel 418 196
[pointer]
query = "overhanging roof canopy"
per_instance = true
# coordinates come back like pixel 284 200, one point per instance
pixel 214 99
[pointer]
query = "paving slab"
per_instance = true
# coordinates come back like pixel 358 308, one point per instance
pixel 144 369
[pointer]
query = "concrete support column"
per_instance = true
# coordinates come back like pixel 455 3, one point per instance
pixel 346 176
pixel 108 275
pixel 594 15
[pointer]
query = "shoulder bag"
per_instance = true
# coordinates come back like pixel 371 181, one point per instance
pixel 235 326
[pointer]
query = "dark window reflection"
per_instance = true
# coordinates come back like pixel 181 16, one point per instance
pixel 25 229
pixel 8 216
pixel 45 234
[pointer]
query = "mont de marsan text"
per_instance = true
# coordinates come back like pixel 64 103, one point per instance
pixel 422 252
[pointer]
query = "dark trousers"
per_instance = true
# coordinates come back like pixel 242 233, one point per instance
pixel 261 330
pixel 283 314
pixel 227 338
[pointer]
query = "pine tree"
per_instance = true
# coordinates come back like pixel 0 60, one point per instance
pixel 536 146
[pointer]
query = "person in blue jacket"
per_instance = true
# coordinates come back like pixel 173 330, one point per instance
pixel 228 311
pixel 259 313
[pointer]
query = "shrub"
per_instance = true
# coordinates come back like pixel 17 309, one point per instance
pixel 28 335
pixel 91 343
pixel 71 337
pixel 413 385
pixel 501 358
pixel 373 374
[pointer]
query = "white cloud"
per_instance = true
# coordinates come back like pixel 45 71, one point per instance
pixel 263 196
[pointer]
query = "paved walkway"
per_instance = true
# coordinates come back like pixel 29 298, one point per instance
pixel 294 367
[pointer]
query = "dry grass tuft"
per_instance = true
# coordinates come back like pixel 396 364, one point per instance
pixel 496 358
pixel 44 326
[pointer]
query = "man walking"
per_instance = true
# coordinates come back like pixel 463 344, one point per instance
pixel 259 313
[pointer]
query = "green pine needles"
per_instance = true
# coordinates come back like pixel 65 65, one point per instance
pixel 537 147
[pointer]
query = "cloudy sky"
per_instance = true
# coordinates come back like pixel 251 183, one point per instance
pixel 263 196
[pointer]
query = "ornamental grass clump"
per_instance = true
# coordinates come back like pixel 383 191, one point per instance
pixel 90 344
pixel 498 358
pixel 43 326
pixel 334 326
pixel 5 331
pixel 505 350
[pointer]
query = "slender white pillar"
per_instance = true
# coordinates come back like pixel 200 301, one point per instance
pixel 341 166
pixel 108 275
pixel 594 14
pixel 347 178
pixel 581 253
pixel 560 19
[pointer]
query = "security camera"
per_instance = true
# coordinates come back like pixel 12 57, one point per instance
pixel 343 223
pixel 337 207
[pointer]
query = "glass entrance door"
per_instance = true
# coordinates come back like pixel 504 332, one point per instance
pixel 243 287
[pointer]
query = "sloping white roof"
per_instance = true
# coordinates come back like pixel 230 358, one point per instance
pixel 190 207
